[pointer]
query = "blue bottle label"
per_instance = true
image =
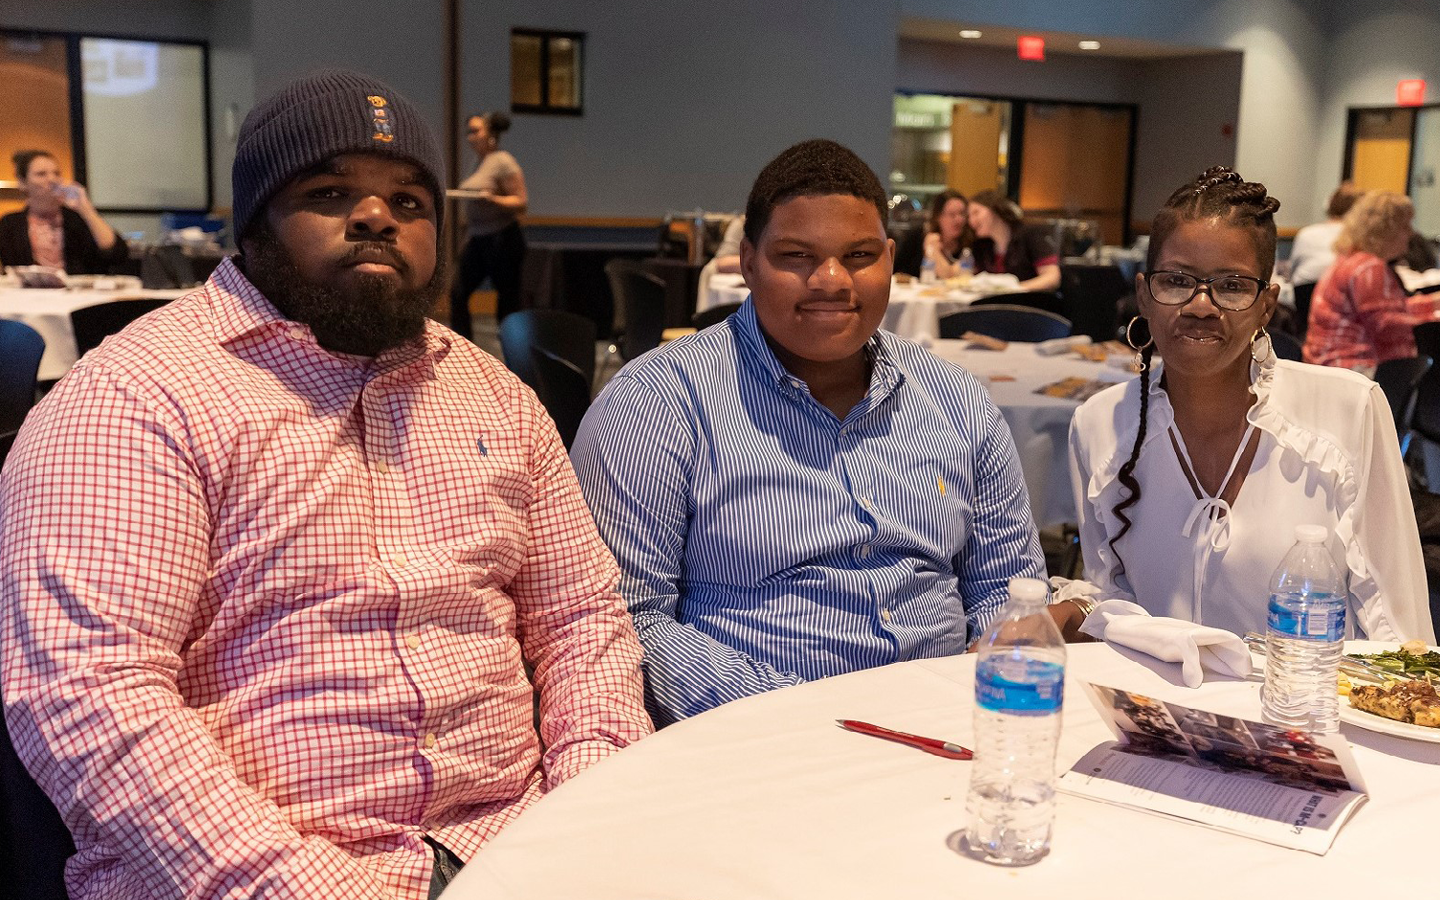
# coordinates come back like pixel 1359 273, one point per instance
pixel 1316 618
pixel 1026 687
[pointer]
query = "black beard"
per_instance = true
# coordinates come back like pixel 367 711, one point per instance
pixel 376 316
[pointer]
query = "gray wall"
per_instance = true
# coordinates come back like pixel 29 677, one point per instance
pixel 684 102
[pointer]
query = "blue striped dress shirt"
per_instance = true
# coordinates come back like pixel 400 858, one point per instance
pixel 763 542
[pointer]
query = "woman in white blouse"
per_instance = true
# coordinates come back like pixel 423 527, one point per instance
pixel 1190 479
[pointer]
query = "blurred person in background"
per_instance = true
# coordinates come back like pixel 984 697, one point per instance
pixel 1004 244
pixel 494 244
pixel 1360 315
pixel 945 237
pixel 59 226
pixel 1313 250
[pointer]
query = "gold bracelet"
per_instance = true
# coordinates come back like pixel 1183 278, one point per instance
pixel 1087 604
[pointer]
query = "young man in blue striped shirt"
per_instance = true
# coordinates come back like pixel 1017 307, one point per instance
pixel 792 494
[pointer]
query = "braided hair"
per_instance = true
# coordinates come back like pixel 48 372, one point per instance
pixel 1218 194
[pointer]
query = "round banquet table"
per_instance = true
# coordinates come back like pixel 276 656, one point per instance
pixel 47 310
pixel 767 798
pixel 914 311
pixel 1040 424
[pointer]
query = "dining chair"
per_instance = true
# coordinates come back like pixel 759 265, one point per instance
pixel 714 315
pixel 1427 339
pixel 21 348
pixel 1285 345
pixel 640 300
pixel 564 390
pixel 1400 380
pixel 1049 301
pixel 567 335
pixel 1006 322
pixel 93 324
pixel 1303 295
pixel 34 842
pixel 1425 425
pixel 1090 298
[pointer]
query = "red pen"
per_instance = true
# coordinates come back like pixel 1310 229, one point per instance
pixel 929 745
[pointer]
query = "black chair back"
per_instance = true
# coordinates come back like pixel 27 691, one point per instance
pixel 1303 295
pixel 1090 296
pixel 564 390
pixel 1008 323
pixel 34 842
pixel 1427 339
pixel 1285 344
pixel 20 350
pixel 1425 417
pixel 166 266
pixel 640 306
pixel 714 315
pixel 1400 379
pixel 93 324
pixel 567 335
pixel 1049 301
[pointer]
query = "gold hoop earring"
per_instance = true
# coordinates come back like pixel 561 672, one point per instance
pixel 1269 345
pixel 1138 348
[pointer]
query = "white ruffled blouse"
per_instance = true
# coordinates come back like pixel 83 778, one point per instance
pixel 1327 454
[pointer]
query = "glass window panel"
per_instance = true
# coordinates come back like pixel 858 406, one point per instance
pixel 525 70
pixel 564 73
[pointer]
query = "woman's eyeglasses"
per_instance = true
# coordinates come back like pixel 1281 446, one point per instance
pixel 1229 292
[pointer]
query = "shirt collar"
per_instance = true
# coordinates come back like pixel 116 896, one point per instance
pixel 885 375
pixel 240 310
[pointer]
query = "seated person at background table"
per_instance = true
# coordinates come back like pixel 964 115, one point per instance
pixel 793 494
pixel 1360 315
pixel 275 555
pixel 1003 243
pixel 59 226
pixel 1313 250
pixel 944 238
pixel 1190 479
pixel 727 256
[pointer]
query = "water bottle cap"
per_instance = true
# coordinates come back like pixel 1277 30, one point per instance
pixel 1028 589
pixel 1312 534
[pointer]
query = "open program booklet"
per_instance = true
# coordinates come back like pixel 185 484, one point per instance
pixel 1290 788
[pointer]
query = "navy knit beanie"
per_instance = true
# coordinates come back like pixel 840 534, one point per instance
pixel 323 115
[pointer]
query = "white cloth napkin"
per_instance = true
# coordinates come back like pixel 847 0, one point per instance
pixel 1056 346
pixel 1195 647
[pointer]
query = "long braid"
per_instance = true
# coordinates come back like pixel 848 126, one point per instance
pixel 1126 475
pixel 1217 193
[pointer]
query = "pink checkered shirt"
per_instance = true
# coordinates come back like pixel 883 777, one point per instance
pixel 266 608
pixel 1360 316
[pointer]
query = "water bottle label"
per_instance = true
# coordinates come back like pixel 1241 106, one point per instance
pixel 1027 687
pixel 1316 620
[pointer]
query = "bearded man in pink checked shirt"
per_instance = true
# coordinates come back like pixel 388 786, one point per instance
pixel 274 558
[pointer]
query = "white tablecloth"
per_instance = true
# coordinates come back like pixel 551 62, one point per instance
pixel 48 312
pixel 767 798
pixel 1040 424
pixel 914 312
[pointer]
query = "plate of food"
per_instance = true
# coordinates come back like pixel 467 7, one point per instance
pixel 1406 707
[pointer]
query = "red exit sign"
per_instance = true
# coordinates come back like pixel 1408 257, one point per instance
pixel 1030 46
pixel 1410 92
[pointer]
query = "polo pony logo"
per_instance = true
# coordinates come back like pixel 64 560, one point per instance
pixel 380 119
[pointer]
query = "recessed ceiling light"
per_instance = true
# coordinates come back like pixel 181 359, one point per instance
pixel 1089 45
pixel 970 33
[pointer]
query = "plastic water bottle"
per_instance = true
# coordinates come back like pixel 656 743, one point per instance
pixel 1304 635
pixel 927 271
pixel 967 264
pixel 1019 689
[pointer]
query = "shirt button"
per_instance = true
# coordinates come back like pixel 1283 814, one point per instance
pixel 382 467
pixel 399 560
pixel 413 641
pixel 864 551
pixel 865 502
pixel 885 614
pixel 429 740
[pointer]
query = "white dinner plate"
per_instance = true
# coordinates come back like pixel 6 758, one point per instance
pixel 1372 722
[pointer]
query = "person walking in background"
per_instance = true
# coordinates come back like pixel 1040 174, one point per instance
pixel 494 244
pixel 1360 315
pixel 59 226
